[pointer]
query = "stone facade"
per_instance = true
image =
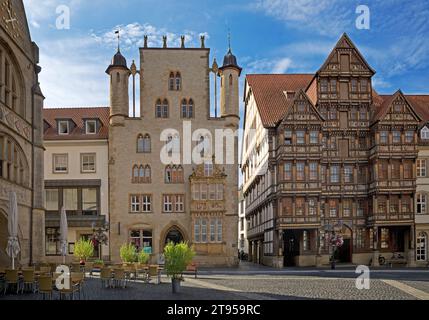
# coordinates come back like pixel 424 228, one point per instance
pixel 21 133
pixel 150 201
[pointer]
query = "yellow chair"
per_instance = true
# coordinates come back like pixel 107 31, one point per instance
pixel 119 278
pixel 12 278
pixel 154 272
pixel 106 277
pixel 76 267
pixel 45 287
pixel 89 266
pixel 29 280
pixel 45 270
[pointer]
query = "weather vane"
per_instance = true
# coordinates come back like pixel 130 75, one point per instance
pixel 119 37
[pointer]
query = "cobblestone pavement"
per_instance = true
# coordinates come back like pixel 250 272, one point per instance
pixel 261 283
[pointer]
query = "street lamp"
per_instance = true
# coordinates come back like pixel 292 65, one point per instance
pixel 99 236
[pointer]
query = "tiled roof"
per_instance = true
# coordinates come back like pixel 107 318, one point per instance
pixel 77 115
pixel 421 105
pixel 268 90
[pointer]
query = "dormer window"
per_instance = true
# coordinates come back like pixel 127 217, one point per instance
pixel 63 127
pixel 290 95
pixel 424 133
pixel 91 126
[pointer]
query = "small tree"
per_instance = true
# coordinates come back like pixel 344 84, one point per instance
pixel 143 257
pixel 83 249
pixel 177 258
pixel 128 253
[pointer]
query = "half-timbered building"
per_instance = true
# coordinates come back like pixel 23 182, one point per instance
pixel 325 155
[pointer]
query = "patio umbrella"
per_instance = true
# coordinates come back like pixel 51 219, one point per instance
pixel 13 248
pixel 63 233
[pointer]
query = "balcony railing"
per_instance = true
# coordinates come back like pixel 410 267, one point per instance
pixel 394 184
pixel 394 149
pixel 390 217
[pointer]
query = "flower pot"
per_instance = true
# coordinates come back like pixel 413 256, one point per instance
pixel 175 285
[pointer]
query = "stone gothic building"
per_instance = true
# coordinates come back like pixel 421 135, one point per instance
pixel 153 201
pixel 325 155
pixel 21 133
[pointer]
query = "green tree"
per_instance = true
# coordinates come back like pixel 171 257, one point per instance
pixel 83 249
pixel 177 258
pixel 128 253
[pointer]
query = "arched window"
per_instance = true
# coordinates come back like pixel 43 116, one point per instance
pixel 12 84
pixel 148 174
pixel 140 144
pixel 184 108
pixel 421 248
pixel 118 77
pixel 165 108
pixel 141 174
pixel 158 108
pixel 180 174
pixel 146 144
pixel 178 81
pixel 143 144
pixel 230 80
pixel 135 174
pixel 13 164
pixel 191 109
pixel 171 81
pixel 161 108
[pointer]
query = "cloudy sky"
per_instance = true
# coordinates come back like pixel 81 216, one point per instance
pixel 268 36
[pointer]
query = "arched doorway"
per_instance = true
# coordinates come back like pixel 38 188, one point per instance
pixel 174 235
pixel 345 251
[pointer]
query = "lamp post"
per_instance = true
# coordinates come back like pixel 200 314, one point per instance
pixel 99 236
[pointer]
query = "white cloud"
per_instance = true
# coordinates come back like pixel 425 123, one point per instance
pixel 280 65
pixel 321 16
pixel 132 35
pixel 42 11
pixel 73 69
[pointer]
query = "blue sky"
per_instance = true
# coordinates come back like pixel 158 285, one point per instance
pixel 268 36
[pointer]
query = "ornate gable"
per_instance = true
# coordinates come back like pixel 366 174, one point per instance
pixel 345 58
pixel 13 20
pixel 398 109
pixel 301 109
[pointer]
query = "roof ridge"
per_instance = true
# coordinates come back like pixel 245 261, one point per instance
pixel 69 107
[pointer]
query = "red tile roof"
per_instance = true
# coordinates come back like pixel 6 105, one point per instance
pixel 77 115
pixel 421 105
pixel 268 90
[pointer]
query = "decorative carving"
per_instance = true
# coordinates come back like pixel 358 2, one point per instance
pixel 15 122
